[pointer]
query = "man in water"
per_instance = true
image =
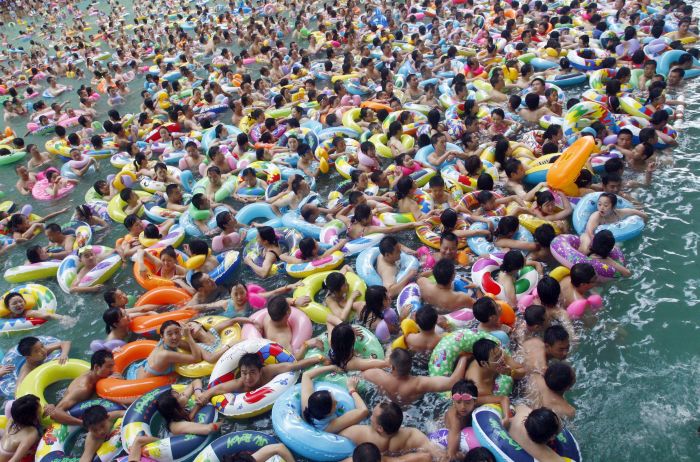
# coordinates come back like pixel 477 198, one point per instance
pixel 387 434
pixel 82 388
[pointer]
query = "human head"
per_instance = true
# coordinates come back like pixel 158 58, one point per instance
pixel 387 418
pixel 559 377
pixel 606 203
pixel 97 421
pixel 342 345
pixel 513 260
pixel 15 302
pixel 426 318
pixel 556 342
pixel 487 352
pixel 583 276
pixel 25 411
pixel 320 405
pixel 390 249
pixel 278 308
pixel 535 317
pixel 401 362
pixel 32 349
pixel 603 243
pixel 102 363
pixel 464 394
pixel 444 271
pixel 250 366
pixel 171 333
pixel 487 311
pixel 542 425
pixel 366 452
pixel 448 245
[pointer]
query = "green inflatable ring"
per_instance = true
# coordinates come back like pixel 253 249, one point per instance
pixel 366 346
pixel 445 355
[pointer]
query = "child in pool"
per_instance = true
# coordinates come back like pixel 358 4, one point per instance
pixel 378 308
pixel 512 263
pixel 16 304
pixel 130 243
pixel 340 300
pixel 545 208
pixel 606 214
pixel 441 198
pixel 367 157
pixel 255 374
pixel 99 424
pixel 488 313
pixel 172 407
pixel 459 415
pixel 603 243
pixel 35 354
pixel 502 236
pixel 361 224
pixel 57 182
pixel 134 203
pixel 87 261
pixel 531 325
pixel 548 389
pixel 534 430
pixel 309 250
pixel 319 407
pixel 104 191
pixel 490 361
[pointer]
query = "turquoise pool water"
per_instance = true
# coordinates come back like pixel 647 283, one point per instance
pixel 637 366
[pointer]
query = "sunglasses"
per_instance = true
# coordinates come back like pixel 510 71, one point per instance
pixel 462 397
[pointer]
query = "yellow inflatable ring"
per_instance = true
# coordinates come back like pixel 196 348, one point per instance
pixel 311 285
pixel 230 335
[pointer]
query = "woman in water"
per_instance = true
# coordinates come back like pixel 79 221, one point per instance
pixel 607 214
pixel 165 356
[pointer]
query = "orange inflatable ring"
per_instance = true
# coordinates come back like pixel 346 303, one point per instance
pixel 149 280
pixel 566 169
pixel 470 202
pixel 164 296
pixel 151 322
pixel 375 106
pixel 126 391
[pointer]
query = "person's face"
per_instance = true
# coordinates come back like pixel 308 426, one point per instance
pixel 496 357
pixel 37 353
pixel 106 369
pixel 604 206
pixel 88 257
pixel 548 207
pixel 172 336
pixel 537 86
pixel 441 143
pixel 674 78
pixel 624 141
pixel 559 350
pixel 250 376
pixel 293 144
pixel 137 227
pixel 102 429
pixel 612 187
pixel 240 295
pixel 192 150
pixel 168 262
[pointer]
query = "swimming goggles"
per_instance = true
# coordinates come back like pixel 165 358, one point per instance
pixel 462 397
